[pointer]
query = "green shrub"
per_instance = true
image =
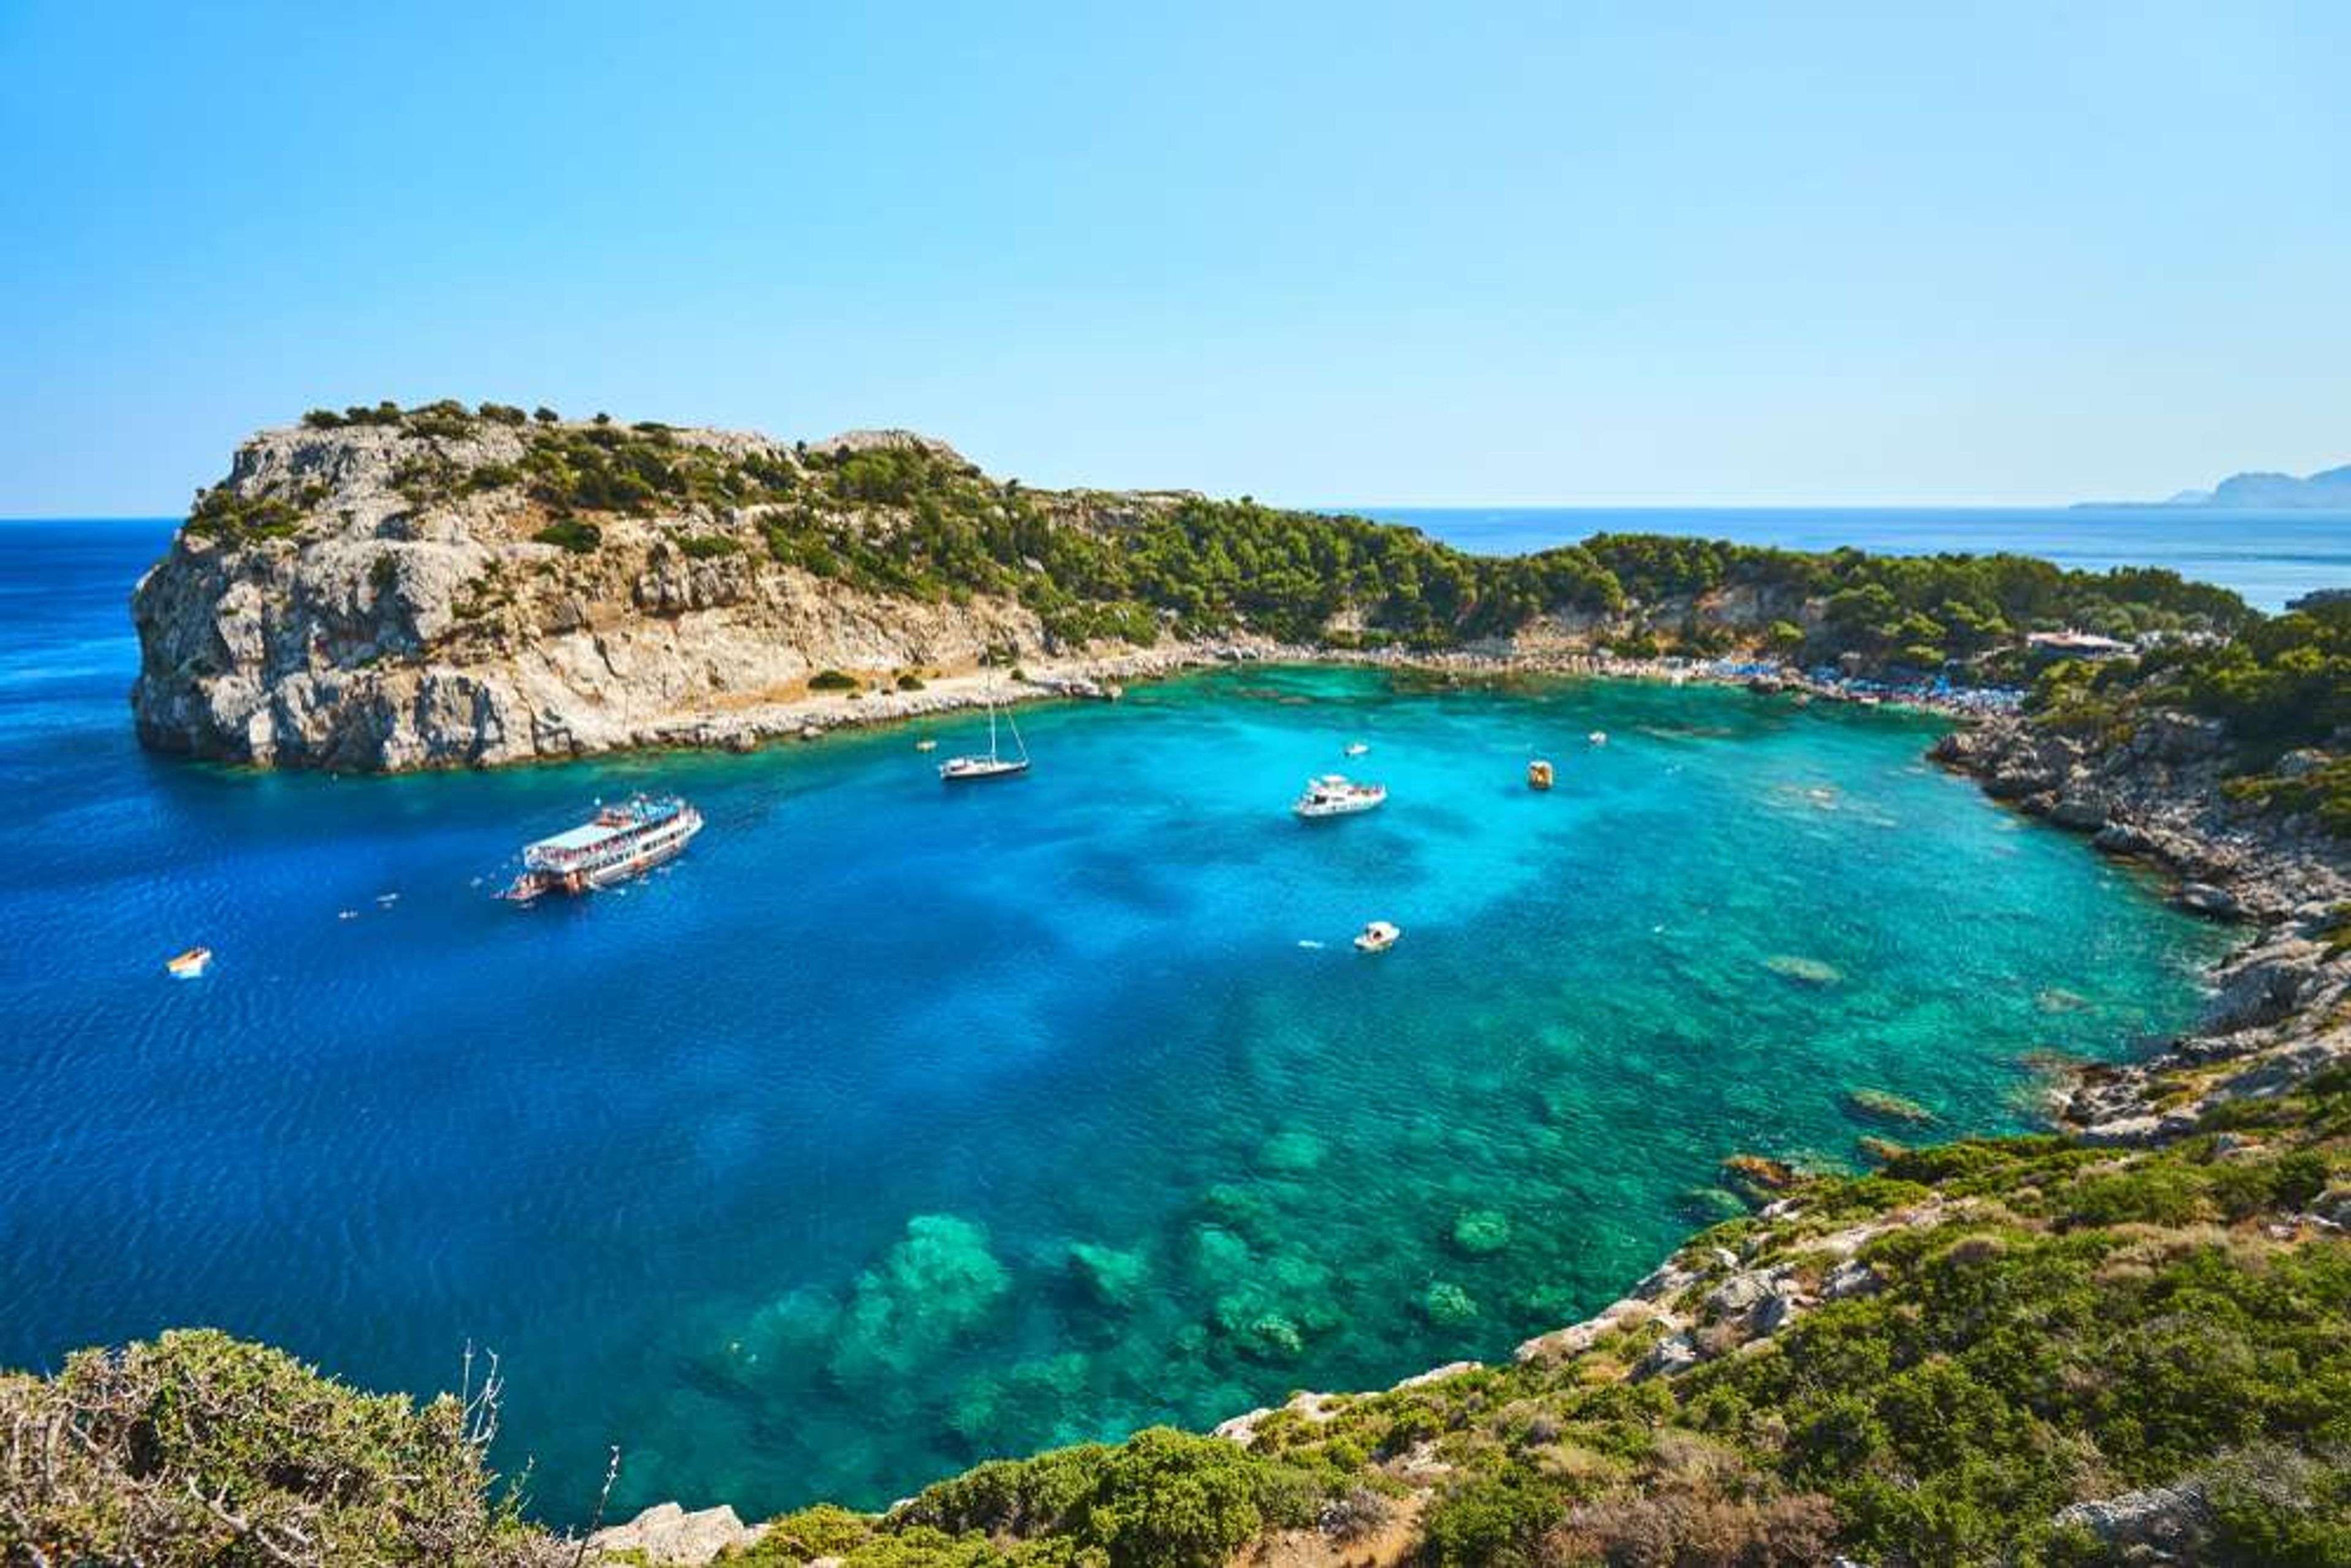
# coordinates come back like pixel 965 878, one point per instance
pixel 572 534
pixel 447 418
pixel 1492 1521
pixel 709 547
pixel 2164 1194
pixel 2276 1505
pixel 146 1455
pixel 833 681
pixel 222 514
pixel 492 476
pixel 1011 1497
pixel 826 1530
pixel 1166 1498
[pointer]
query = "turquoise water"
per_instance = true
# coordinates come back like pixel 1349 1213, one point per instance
pixel 897 1126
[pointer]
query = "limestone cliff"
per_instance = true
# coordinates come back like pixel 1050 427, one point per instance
pixel 402 594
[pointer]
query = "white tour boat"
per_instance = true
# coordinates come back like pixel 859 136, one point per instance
pixel 1334 795
pixel 621 841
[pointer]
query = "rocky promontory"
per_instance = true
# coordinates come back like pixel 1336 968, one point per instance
pixel 470 590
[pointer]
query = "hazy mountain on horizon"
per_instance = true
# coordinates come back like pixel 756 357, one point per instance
pixel 2329 489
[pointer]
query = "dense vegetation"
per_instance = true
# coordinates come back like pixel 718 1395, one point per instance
pixel 2051 1323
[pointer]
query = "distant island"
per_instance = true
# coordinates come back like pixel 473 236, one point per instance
pixel 2329 490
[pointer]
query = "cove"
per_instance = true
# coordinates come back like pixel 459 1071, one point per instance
pixel 895 1127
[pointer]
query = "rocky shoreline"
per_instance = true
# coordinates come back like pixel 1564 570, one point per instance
pixel 2280 1009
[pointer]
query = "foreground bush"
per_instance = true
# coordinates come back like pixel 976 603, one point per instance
pixel 196 1449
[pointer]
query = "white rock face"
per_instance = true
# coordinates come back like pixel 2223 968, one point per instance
pixel 667 1534
pixel 389 634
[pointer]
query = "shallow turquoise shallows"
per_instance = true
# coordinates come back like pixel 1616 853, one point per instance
pixel 896 1126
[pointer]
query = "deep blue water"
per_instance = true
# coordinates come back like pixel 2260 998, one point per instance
pixel 896 1126
pixel 2268 557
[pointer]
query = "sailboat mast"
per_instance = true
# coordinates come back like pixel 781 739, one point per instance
pixel 991 728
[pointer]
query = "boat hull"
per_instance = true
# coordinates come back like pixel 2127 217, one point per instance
pixel 1322 813
pixel 646 857
pixel 970 771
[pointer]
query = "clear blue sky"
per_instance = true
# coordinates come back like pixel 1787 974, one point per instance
pixel 1355 253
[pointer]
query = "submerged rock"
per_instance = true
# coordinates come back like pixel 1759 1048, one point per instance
pixel 928 1291
pixel 1710 1205
pixel 1758 1177
pixel 1449 1306
pixel 1112 1277
pixel 1293 1152
pixel 1809 971
pixel 1880 1106
pixel 1481 1231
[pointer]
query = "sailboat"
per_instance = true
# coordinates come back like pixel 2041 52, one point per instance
pixel 995 765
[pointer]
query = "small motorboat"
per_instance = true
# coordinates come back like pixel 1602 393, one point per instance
pixel 190 965
pixel 926 745
pixel 1357 748
pixel 1377 937
pixel 1598 737
pixel 1538 773
pixel 1334 795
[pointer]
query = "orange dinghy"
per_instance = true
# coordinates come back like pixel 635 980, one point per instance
pixel 1539 775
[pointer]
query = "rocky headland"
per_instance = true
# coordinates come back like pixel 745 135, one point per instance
pixel 382 597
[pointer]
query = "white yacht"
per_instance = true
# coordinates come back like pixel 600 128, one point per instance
pixel 995 765
pixel 1377 937
pixel 1334 795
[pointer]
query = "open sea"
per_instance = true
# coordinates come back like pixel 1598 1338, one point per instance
pixel 897 1126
